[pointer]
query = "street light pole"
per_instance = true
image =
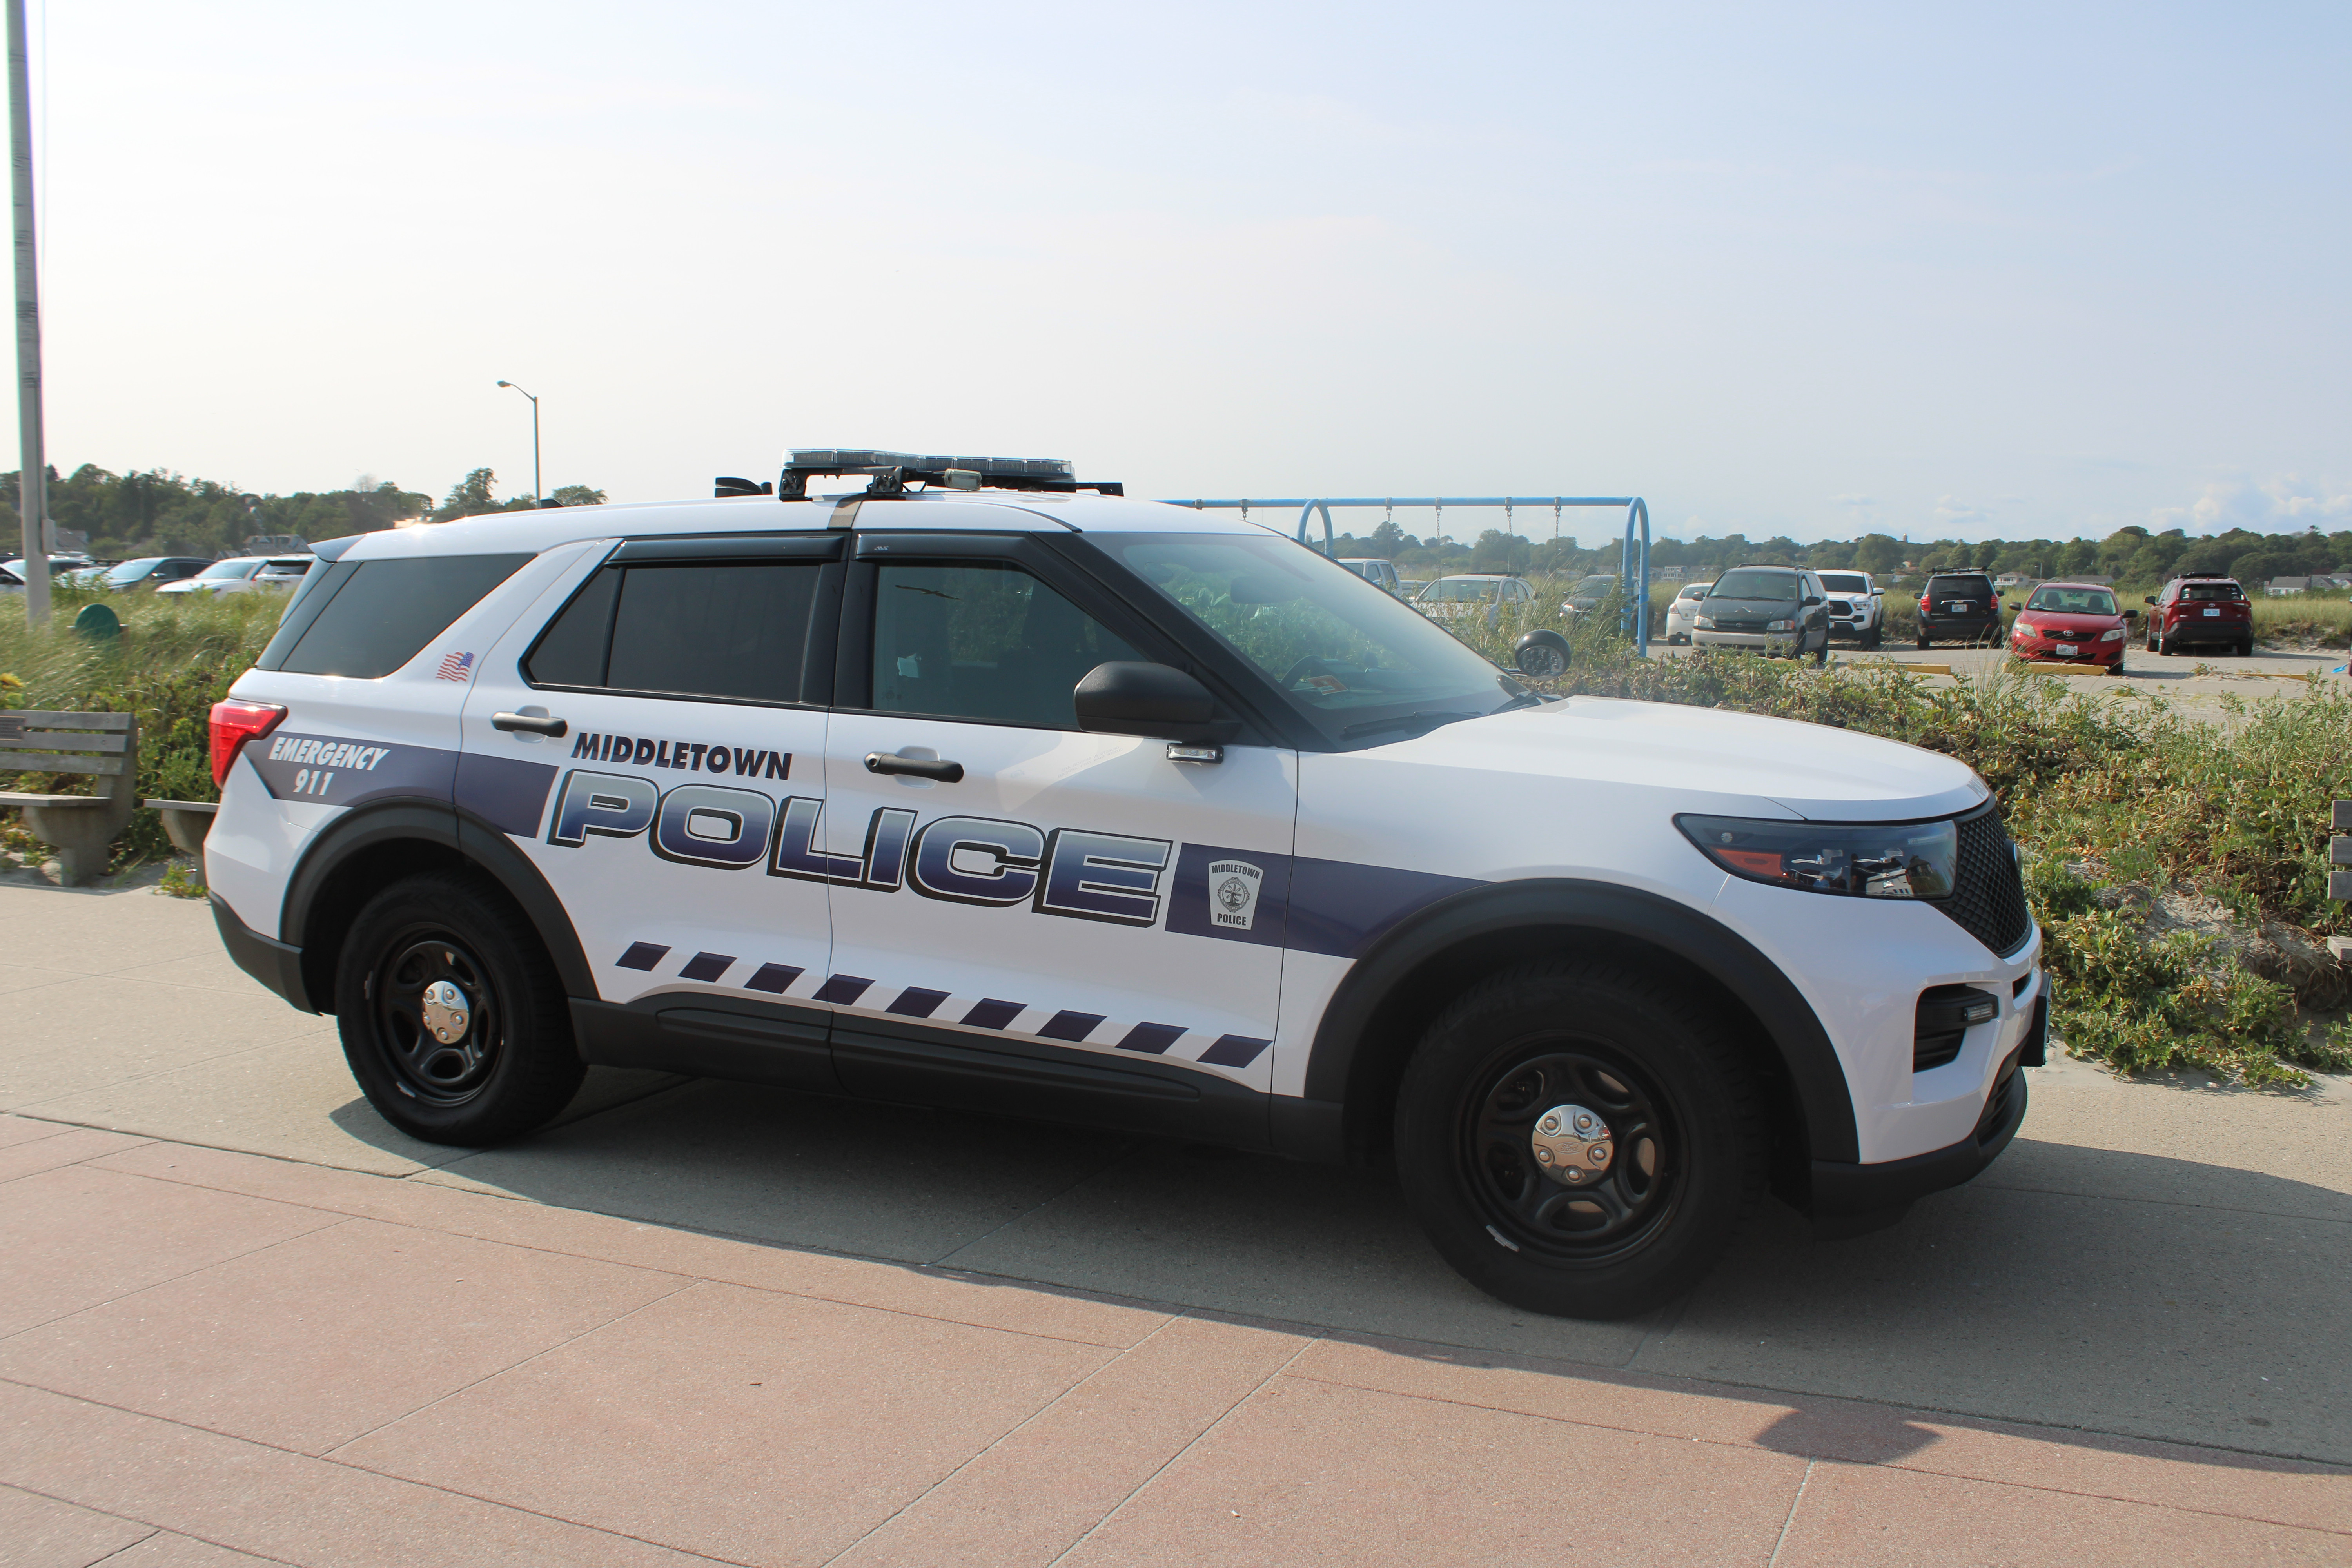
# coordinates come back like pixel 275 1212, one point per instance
pixel 537 494
pixel 32 471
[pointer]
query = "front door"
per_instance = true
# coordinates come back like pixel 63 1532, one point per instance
pixel 1006 886
pixel 676 670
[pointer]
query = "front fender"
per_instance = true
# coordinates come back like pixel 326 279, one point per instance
pixel 1506 913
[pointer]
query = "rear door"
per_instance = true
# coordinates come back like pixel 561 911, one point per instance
pixel 649 740
pixel 998 930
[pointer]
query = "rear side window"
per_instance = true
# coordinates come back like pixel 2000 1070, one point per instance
pixel 384 612
pixel 737 631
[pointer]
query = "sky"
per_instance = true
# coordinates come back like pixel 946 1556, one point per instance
pixel 1981 271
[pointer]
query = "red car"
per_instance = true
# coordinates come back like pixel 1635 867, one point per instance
pixel 2200 609
pixel 2072 623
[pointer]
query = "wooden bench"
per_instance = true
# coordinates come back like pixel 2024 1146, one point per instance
pixel 79 828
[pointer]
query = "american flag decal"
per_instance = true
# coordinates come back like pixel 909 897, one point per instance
pixel 455 667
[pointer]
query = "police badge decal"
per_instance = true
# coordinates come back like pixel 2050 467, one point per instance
pixel 1232 894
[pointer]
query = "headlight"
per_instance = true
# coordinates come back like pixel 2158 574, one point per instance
pixel 2112 634
pixel 1781 627
pixel 1871 861
pixel 1704 622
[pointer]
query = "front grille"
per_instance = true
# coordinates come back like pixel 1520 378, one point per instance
pixel 1987 899
pixel 1841 607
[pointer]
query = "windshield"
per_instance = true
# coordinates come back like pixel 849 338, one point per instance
pixel 229 569
pixel 1846 581
pixel 1460 590
pixel 132 571
pixel 1746 584
pixel 1592 587
pixel 2073 601
pixel 1364 667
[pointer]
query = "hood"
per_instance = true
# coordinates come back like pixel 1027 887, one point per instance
pixel 2064 621
pixel 1704 759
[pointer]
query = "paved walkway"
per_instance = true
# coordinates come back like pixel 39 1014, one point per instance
pixel 241 1319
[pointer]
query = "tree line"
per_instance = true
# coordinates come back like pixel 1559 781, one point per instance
pixel 156 512
pixel 2132 555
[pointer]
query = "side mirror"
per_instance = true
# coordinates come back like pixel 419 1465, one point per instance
pixel 1811 601
pixel 1542 654
pixel 2131 615
pixel 1128 697
pixel 2148 599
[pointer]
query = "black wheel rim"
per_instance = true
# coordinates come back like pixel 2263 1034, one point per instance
pixel 424 1068
pixel 1594 1223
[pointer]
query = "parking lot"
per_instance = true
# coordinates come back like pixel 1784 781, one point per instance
pixel 700 1322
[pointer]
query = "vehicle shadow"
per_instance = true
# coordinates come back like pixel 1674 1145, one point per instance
pixel 2076 1289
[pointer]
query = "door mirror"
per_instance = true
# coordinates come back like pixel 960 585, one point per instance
pixel 2148 599
pixel 2131 615
pixel 1129 698
pixel 1811 601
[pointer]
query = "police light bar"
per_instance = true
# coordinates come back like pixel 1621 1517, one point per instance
pixel 892 472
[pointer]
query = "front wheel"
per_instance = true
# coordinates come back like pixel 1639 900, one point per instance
pixel 452 1017
pixel 1873 637
pixel 1579 1139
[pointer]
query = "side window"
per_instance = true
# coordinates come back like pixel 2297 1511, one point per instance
pixel 384 612
pixel 736 630
pixel 983 641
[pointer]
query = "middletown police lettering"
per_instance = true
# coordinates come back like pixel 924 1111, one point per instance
pixel 982 861
pixel 700 757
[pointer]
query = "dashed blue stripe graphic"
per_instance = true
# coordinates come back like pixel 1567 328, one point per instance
pixel 1069 1026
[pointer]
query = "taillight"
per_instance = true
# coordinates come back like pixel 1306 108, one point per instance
pixel 233 723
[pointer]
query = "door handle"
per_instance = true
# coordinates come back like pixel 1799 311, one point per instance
pixel 555 728
pixel 916 767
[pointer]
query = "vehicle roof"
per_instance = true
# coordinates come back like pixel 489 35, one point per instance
pixel 1478 577
pixel 957 511
pixel 2204 577
pixel 2089 587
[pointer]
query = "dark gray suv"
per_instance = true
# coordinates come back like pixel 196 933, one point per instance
pixel 1768 609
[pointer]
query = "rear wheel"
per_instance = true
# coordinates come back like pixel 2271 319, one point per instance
pixel 2245 650
pixel 1579 1139
pixel 1923 640
pixel 452 1018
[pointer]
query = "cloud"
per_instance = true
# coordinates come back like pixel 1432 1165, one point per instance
pixel 2286 504
pixel 1951 512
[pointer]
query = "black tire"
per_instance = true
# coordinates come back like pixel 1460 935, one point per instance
pixel 1661 1071
pixel 511 1067
pixel 2245 650
pixel 1874 636
pixel 2165 645
pixel 1925 639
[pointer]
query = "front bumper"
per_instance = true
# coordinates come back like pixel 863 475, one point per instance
pixel 2047 648
pixel 1848 1200
pixel 1755 642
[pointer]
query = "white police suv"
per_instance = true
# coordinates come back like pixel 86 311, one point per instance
pixel 983 788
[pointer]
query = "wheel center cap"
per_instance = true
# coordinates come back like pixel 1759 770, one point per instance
pixel 445 1011
pixel 1572 1145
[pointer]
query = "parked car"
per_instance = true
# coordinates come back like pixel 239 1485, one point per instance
pixel 1410 587
pixel 62 568
pixel 242 574
pixel 1960 606
pixel 1372 569
pixel 2199 611
pixel 1682 611
pixel 1588 595
pixel 147 572
pixel 2072 623
pixel 1857 606
pixel 1766 609
pixel 1471 594
pixel 1063 819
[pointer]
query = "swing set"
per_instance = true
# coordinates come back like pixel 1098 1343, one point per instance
pixel 1632 560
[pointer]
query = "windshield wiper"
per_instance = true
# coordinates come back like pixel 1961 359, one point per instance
pixel 1402 721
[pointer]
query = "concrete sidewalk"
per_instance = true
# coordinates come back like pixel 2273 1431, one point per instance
pixel 242 1316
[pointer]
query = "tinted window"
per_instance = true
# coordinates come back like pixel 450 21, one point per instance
pixel 570 652
pixel 386 611
pixel 1750 585
pixel 2211 591
pixel 736 630
pixel 1959 587
pixel 220 570
pixel 1844 582
pixel 983 641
